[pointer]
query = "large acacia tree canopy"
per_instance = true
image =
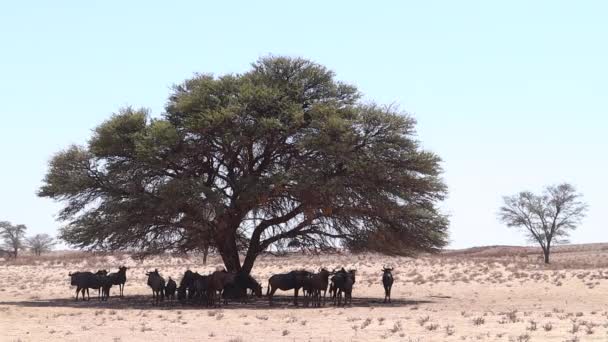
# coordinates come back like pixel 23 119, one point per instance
pixel 283 153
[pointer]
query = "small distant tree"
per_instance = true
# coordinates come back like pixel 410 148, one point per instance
pixel 547 218
pixel 12 236
pixel 40 243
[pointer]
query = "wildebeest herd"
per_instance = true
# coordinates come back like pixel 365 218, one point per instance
pixel 221 286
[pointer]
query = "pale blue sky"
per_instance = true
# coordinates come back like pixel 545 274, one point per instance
pixel 513 95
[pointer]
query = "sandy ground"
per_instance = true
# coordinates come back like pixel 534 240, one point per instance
pixel 507 296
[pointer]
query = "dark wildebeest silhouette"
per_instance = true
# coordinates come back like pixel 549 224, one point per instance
pixel 157 283
pixel 119 278
pixel 218 280
pixel 193 286
pixel 314 285
pixel 88 280
pixel 170 289
pixel 239 287
pixel 332 284
pixel 287 281
pixel 105 284
pixel 342 282
pixel 387 282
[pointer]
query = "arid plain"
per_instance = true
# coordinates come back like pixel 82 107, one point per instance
pixel 478 294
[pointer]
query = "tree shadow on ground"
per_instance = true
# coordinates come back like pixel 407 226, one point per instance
pixel 143 302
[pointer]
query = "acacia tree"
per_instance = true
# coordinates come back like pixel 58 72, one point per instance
pixel 12 236
pixel 547 218
pixel 40 243
pixel 242 162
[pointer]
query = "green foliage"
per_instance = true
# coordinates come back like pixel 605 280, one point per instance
pixel 249 162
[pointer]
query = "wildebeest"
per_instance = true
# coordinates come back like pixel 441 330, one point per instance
pixel 314 285
pixel 88 280
pixel 157 283
pixel 238 288
pixel 287 281
pixel 218 280
pixel 342 282
pixel 119 278
pixel 387 282
pixel 170 289
pixel 193 286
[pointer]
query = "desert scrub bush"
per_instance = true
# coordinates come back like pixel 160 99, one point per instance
pixel 532 326
pixel 365 323
pixel 432 327
pixel 548 326
pixel 396 327
pixel 589 328
pixel 479 321
pixel 449 330
pixel 422 320
pixel 575 328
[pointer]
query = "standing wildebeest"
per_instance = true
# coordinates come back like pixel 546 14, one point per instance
pixel 332 285
pixel 313 285
pixel 387 282
pixel 287 281
pixel 119 278
pixel 219 280
pixel 170 289
pixel 193 286
pixel 343 281
pixel 157 283
pixel 105 284
pixel 88 280
pixel 237 289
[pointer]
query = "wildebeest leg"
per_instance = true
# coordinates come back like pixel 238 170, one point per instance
pixel 295 296
pixel 78 290
pixel 270 294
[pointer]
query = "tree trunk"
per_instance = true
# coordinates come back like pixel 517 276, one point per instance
pixel 546 252
pixel 252 252
pixel 205 253
pixel 226 246
pixel 249 259
pixel 15 251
